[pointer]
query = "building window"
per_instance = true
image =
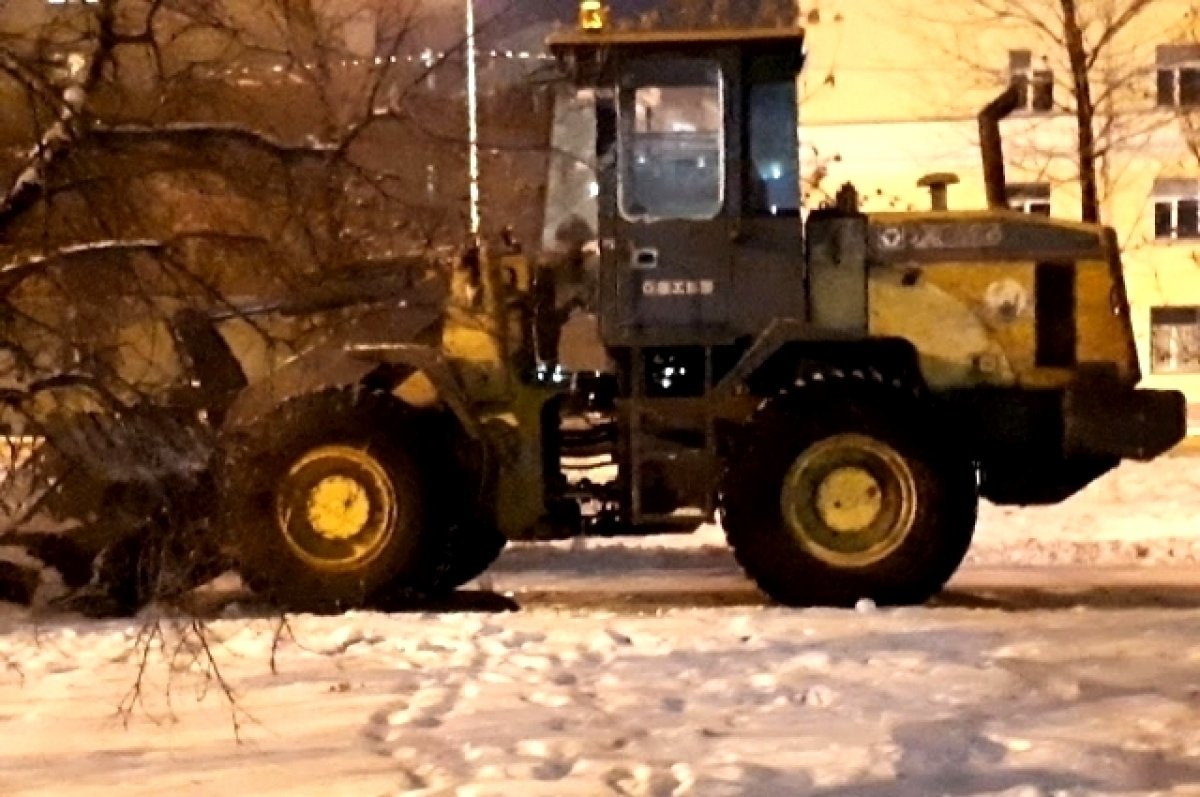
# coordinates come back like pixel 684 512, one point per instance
pixel 1176 209
pixel 1178 73
pixel 1036 86
pixel 431 180
pixel 1030 198
pixel 1175 340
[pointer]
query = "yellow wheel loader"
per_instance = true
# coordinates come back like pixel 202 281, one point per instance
pixel 837 389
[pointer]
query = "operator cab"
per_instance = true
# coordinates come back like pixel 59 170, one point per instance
pixel 697 195
pixel 697 185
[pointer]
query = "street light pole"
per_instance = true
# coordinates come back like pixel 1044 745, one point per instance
pixel 473 121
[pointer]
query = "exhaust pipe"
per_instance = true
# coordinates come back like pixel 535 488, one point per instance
pixel 938 184
pixel 992 147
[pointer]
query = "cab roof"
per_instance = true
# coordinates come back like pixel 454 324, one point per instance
pixel 650 39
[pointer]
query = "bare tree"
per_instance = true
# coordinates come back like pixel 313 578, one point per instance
pixel 1187 110
pixel 166 155
pixel 166 163
pixel 1087 59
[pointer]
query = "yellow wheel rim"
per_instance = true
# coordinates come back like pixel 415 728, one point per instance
pixel 850 500
pixel 336 508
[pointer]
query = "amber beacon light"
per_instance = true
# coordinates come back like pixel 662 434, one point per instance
pixel 593 15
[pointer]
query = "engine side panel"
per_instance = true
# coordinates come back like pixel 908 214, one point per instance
pixel 999 299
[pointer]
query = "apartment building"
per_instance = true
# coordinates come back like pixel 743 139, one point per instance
pixel 892 88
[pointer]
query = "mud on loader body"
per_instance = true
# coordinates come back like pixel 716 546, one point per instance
pixel 842 389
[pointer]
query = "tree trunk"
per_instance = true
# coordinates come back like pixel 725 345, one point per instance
pixel 1085 112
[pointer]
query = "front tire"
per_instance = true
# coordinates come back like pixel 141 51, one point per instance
pixel 846 492
pixel 327 505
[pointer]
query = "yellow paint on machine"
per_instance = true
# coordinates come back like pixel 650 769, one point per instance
pixel 1103 330
pixel 975 323
pixel 475 341
pixel 957 347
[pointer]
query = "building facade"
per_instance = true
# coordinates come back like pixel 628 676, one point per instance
pixel 892 89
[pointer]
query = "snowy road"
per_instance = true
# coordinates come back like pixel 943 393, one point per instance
pixel 1010 589
pixel 634 579
pixel 1063 661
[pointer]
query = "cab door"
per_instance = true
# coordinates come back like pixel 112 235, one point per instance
pixel 666 233
pixel 769 240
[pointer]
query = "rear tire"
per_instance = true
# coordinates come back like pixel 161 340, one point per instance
pixel 849 491
pixel 327 504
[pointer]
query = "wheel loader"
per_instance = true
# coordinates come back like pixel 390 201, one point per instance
pixel 838 390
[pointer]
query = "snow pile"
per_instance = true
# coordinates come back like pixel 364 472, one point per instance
pixel 1038 552
pixel 1141 513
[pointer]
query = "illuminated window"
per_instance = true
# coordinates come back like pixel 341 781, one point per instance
pixel 1178 70
pixel 1176 209
pixel 672 158
pixel 1036 86
pixel 1029 198
pixel 1175 340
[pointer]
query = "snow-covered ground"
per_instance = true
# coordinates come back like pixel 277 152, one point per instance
pixel 604 696
pixel 707 702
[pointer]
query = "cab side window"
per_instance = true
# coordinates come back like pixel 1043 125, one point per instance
pixel 772 176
